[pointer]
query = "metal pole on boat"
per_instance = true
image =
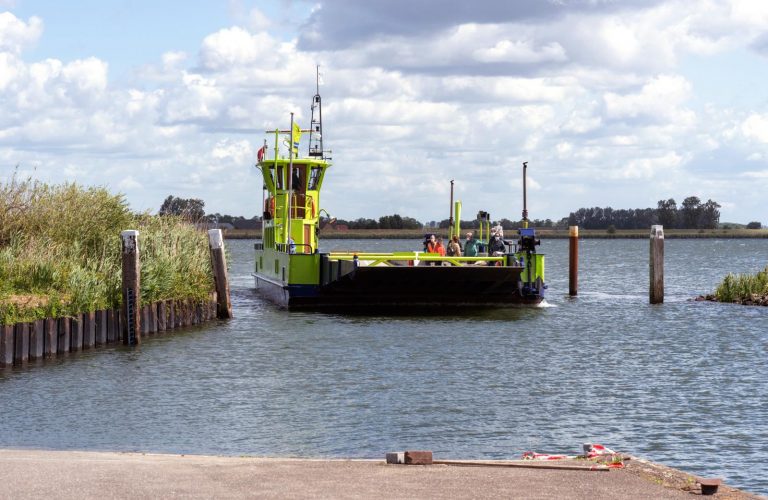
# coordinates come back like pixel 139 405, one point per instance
pixel 290 183
pixel 525 197
pixel 450 214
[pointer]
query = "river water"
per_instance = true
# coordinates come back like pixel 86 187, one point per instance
pixel 683 383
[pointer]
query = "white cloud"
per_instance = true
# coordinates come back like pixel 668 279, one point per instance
pixel 15 34
pixel 592 98
pixel 520 51
pixel 756 127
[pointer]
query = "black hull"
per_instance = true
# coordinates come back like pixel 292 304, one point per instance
pixel 421 287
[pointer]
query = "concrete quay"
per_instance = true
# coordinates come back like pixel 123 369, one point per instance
pixel 85 475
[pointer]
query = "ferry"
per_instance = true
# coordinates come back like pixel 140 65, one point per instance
pixel 292 271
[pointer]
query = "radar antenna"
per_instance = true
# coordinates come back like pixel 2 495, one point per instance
pixel 316 125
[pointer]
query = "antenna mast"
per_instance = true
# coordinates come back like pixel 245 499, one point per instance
pixel 316 126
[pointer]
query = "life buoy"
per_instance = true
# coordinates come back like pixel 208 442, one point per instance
pixel 311 208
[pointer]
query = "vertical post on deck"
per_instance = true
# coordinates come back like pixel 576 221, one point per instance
pixel 219 264
pixel 573 261
pixel 131 321
pixel 657 265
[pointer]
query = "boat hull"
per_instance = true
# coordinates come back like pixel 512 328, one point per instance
pixel 375 288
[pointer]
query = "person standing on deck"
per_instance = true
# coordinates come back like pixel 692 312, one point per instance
pixel 431 246
pixel 454 247
pixel 470 246
pixel 440 248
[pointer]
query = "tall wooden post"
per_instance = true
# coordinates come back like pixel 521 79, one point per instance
pixel 218 261
pixel 573 261
pixel 657 265
pixel 131 321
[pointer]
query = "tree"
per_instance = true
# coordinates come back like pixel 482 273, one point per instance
pixel 189 208
pixel 710 215
pixel 666 212
pixel 754 225
pixel 691 212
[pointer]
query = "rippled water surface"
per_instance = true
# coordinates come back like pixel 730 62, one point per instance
pixel 683 383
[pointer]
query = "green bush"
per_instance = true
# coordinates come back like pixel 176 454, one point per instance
pixel 60 251
pixel 740 287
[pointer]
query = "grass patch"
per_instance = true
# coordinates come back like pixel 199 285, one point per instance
pixel 743 287
pixel 60 251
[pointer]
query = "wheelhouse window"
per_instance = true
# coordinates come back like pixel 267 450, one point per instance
pixel 314 177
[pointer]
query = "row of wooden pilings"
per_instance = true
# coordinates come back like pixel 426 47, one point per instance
pixel 656 263
pixel 46 338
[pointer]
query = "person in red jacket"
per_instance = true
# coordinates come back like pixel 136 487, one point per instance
pixel 439 247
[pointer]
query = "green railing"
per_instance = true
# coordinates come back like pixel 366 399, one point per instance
pixel 413 258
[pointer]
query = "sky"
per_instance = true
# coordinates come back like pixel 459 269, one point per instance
pixel 611 103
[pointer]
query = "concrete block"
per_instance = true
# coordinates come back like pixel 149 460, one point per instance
pixel 418 457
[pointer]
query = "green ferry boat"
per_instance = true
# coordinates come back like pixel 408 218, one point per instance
pixel 292 271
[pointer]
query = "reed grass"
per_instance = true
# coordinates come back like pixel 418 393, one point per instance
pixel 60 251
pixel 743 287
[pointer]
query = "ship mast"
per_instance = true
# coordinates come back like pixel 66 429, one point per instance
pixel 316 125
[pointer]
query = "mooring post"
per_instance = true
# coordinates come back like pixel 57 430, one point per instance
pixel 130 312
pixel 224 306
pixel 657 265
pixel 573 261
pixel 6 345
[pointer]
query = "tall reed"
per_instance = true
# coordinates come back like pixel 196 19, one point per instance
pixel 742 287
pixel 60 251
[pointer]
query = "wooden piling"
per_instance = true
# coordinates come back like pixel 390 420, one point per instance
pixel 101 327
pixel 64 336
pixel 50 337
pixel 112 325
pixel 657 265
pixel 89 329
pixel 36 339
pixel 131 319
pixel 162 316
pixel 152 318
pixel 218 261
pixel 573 261
pixel 76 334
pixel 21 343
pixel 144 311
pixel 171 314
pixel 6 345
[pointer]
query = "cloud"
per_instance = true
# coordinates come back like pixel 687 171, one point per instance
pixel 756 127
pixel 16 34
pixel 588 92
pixel 337 23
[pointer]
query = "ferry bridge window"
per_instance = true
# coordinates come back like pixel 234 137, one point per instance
pixel 280 177
pixel 314 177
pixel 299 180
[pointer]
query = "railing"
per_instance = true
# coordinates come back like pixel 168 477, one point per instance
pixel 299 248
pixel 414 258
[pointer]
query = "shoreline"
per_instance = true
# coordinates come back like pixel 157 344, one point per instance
pixel 543 233
pixel 29 473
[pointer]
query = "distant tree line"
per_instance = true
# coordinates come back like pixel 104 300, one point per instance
pixel 394 221
pixel 691 214
pixel 505 223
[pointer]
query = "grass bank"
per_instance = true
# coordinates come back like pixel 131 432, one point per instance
pixel 748 289
pixel 543 233
pixel 60 252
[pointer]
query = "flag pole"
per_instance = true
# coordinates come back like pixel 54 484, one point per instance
pixel 290 184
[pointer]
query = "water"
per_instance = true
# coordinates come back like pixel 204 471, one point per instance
pixel 682 383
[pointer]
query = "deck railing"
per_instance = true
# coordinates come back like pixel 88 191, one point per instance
pixel 414 259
